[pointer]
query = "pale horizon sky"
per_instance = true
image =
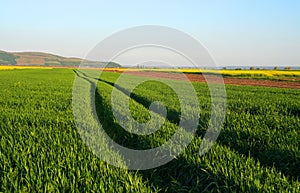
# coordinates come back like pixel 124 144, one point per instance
pixel 236 33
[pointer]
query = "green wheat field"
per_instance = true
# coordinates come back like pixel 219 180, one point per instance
pixel 41 149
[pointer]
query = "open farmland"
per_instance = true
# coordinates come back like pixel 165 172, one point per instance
pixel 284 82
pixel 283 75
pixel 41 149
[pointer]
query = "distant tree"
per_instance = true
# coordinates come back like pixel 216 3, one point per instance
pixel 7 58
pixel 238 68
pixel 287 68
pixel 276 68
pixel 257 68
pixel 224 68
pixel 251 68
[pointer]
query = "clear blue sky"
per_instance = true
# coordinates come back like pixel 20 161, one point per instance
pixel 236 32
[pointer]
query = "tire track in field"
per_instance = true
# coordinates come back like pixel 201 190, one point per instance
pixel 221 143
pixel 172 115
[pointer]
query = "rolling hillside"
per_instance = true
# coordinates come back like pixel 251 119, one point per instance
pixel 44 59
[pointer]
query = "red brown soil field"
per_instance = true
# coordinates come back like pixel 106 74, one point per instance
pixel 233 81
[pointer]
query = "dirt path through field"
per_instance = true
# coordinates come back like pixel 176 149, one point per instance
pixel 233 81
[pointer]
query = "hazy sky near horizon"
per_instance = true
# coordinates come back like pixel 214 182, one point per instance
pixel 250 32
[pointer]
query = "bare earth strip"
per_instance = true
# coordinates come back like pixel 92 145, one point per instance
pixel 233 81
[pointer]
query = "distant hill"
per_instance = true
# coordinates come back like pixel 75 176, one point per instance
pixel 45 59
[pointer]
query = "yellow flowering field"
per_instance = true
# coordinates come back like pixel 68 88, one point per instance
pixel 268 73
pixel 22 67
pixel 265 73
pixel 256 73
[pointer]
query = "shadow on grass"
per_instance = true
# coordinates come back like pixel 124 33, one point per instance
pixel 179 175
pixel 172 115
pixel 284 161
